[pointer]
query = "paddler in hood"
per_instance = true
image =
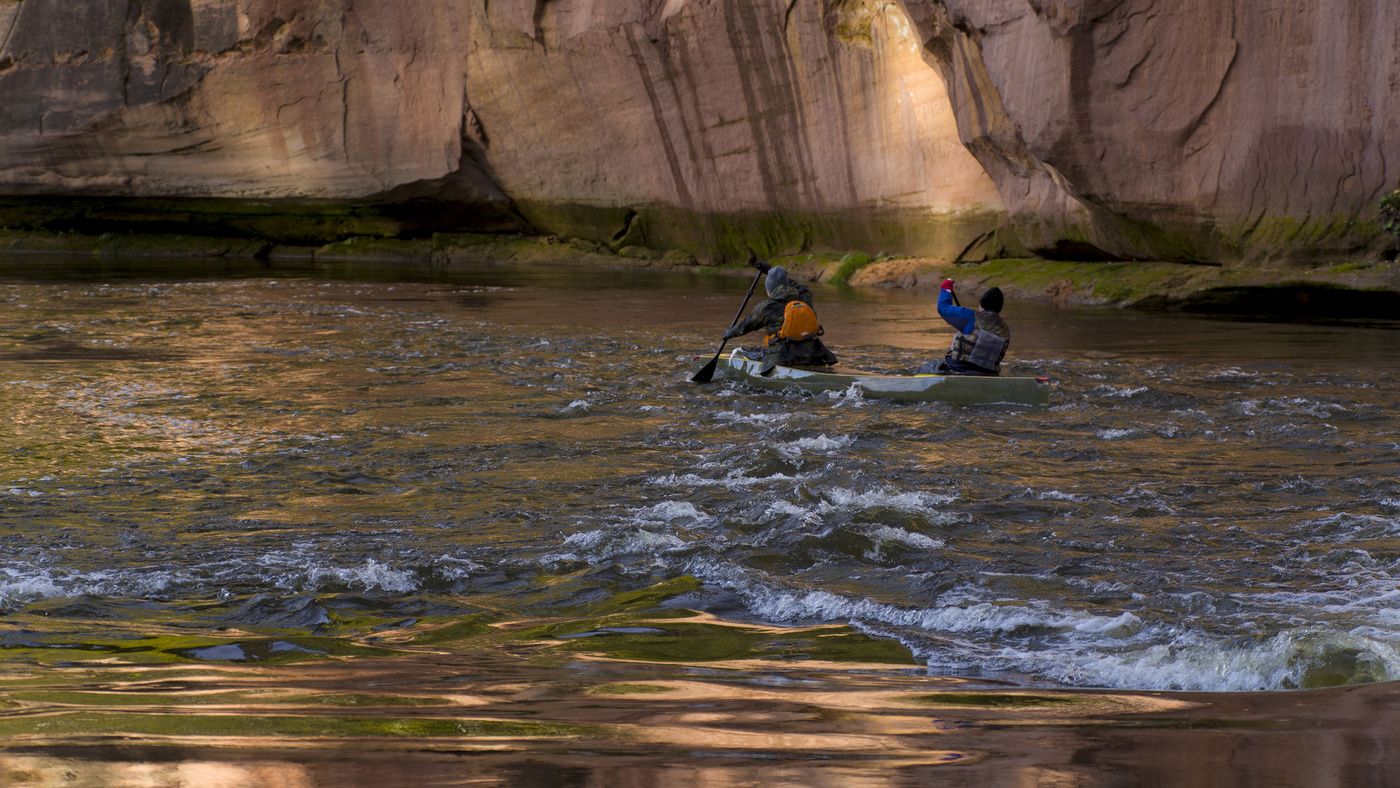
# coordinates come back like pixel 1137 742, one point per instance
pixel 982 336
pixel 789 325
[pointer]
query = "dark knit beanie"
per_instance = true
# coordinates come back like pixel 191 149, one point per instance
pixel 777 277
pixel 992 300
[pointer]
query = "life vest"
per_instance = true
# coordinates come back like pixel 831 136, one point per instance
pixel 985 347
pixel 799 323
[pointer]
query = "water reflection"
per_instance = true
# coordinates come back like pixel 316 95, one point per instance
pixel 395 517
pixel 628 299
pixel 494 721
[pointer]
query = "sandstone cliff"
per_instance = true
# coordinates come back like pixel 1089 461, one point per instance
pixel 1198 129
pixel 1242 127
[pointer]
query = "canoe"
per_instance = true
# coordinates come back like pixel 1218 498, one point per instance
pixel 955 389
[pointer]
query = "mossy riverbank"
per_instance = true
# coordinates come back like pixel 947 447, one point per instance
pixel 1363 288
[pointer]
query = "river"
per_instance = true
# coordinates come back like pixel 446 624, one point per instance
pixel 232 465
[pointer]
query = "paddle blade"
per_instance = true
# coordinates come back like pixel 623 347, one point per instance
pixel 707 372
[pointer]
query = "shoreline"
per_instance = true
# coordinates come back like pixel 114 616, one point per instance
pixel 1359 288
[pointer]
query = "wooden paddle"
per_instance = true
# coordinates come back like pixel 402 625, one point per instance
pixel 707 372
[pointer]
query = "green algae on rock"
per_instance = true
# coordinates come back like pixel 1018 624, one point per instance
pixel 1370 288
pixel 1390 217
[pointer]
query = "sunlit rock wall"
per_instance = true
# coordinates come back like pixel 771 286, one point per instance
pixel 808 122
pixel 1250 128
pixel 1134 128
pixel 263 98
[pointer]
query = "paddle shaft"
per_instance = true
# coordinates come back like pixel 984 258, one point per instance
pixel 707 372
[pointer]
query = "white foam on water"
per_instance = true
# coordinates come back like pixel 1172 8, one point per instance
pixel 780 604
pixel 820 443
pixel 451 567
pixel 823 443
pixel 299 571
pixel 1294 406
pixel 1314 408
pixel 1119 393
pixel 893 534
pixel 602 545
pixel 644 542
pixel 734 417
pixel 889 535
pixel 22 584
pixel 1230 373
pixel 1113 434
pixel 852 396
pixel 18 587
pixel 553 559
pixel 1371 597
pixel 785 508
pixel 928 506
pixel 1344 526
pixel 670 511
pixel 1073 647
pixel 1056 495
pixel 736 482
pixel 373 575
pixel 585 540
pixel 1077 648
pixel 920 502
pixel 1196 663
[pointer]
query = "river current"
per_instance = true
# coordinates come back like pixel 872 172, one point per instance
pixel 195 448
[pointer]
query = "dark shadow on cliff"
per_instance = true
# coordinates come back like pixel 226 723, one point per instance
pixel 1300 302
pixel 469 199
pixel 416 212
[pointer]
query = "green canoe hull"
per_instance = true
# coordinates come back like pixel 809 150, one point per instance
pixel 955 389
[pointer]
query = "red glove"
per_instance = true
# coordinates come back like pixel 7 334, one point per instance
pixel 947 284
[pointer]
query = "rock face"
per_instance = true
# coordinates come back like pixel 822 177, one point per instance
pixel 1198 129
pixel 1244 128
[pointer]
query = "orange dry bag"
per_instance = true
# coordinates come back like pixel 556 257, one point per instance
pixel 799 322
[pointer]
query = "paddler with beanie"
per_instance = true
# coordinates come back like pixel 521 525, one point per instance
pixel 981 339
pixel 789 325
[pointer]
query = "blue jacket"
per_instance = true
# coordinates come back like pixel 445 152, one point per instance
pixel 959 317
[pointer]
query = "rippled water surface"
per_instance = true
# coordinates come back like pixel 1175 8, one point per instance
pixel 316 455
